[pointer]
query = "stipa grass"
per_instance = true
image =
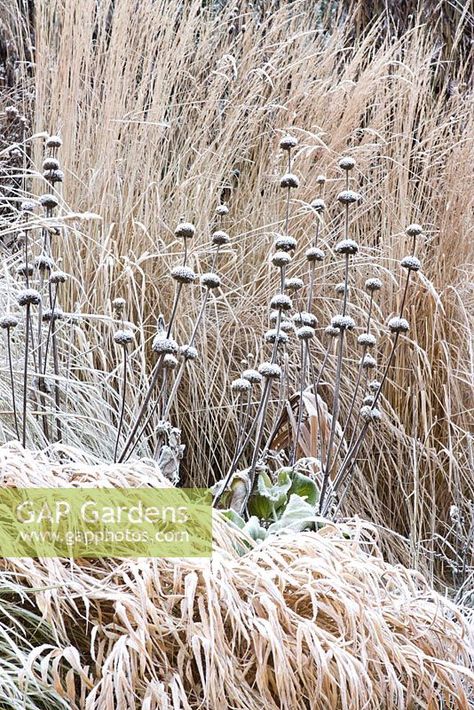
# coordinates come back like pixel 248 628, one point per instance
pixel 309 620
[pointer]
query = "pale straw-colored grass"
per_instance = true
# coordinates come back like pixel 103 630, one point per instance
pixel 310 620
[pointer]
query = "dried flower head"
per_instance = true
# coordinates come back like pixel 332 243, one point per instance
pixel 270 370
pixel 11 112
pixel 185 230
pixel 123 337
pixel 210 280
pixel 286 325
pixel 321 179
pixel 340 288
pixel 414 230
pixel 220 238
pixel 118 305
pixel 288 142
pixel 8 321
pixel 370 414
pixel 170 362
pixel 332 331
pixel 53 314
pixel 367 340
pixel 54 176
pixel 50 164
pixel 54 142
pixel 348 197
pixel 23 269
pixel 368 362
pixel 411 263
pixel 281 302
pixel 28 297
pixel 241 384
pixel 188 352
pixel 285 243
pixel 253 376
pixel 343 322
pixel 183 275
pixel 289 180
pixel 58 277
pixel 293 284
pixel 398 325
pixel 305 332
pixel 280 259
pixel 346 163
pixel 48 201
pixel 273 335
pixel 314 254
pixel 304 318
pixel 222 210
pixel 27 206
pixel 374 386
pixel 163 345
pixel 347 246
pixel 318 205
pixel 368 400
pixel 373 284
pixel 44 263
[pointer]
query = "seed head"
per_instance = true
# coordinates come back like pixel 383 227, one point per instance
pixel 281 302
pixel 54 142
pixel 185 230
pixel 414 230
pixel 332 331
pixel 270 370
pixel 285 243
pixel 48 201
pixel 54 176
pixel 293 284
pixel 240 385
pixel 321 179
pixel 252 376
pixel 11 112
pixel 368 400
pixel 343 322
pixel 314 254
pixel 23 269
pixel 280 259
pixel 27 206
pixel 274 335
pixel 346 163
pixel 305 332
pixel 289 180
pixel 368 362
pixel 411 263
pixel 53 314
pixel 170 362
pixel 286 326
pixel 222 210
pixel 304 318
pixel 347 246
pixel 370 414
pixel 123 337
pixel 163 345
pixel 9 321
pixel 220 238
pixel 288 142
pixel 44 263
pixel 50 164
pixel 183 275
pixel 28 297
pixel 318 205
pixel 367 340
pixel 188 352
pixel 373 284
pixel 374 386
pixel 398 325
pixel 348 197
pixel 341 287
pixel 118 304
pixel 210 280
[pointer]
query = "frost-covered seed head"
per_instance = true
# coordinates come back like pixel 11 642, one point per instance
pixel 332 331
pixel 285 243
pixel 23 269
pixel 289 180
pixel 314 254
pixel 9 321
pixel 54 142
pixel 305 332
pixel 163 345
pixel 321 179
pixel 368 400
pixel 27 206
pixel 123 337
pixel 240 385
pixel 210 280
pixel 318 205
pixel 373 284
pixel 411 263
pixel 347 246
pixel 293 284
pixel 414 230
pixel 188 352
pixel 53 314
pixel 118 304
pixel 220 238
pixel 222 210
pixel 280 258
pixel 367 340
pixel 274 335
pixel 398 325
pixel 343 322
pixel 44 263
pixel 286 326
pixel 28 297
pixel 185 230
pixel 374 386
pixel 252 376
pixel 288 142
pixel 370 414
pixel 170 362
pixel 50 164
pixel 11 112
pixel 183 274
pixel 368 362
pixel 270 370
pixel 346 163
pixel 341 287
pixel 281 302
pixel 348 197
pixel 54 176
pixel 305 318
pixel 49 202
